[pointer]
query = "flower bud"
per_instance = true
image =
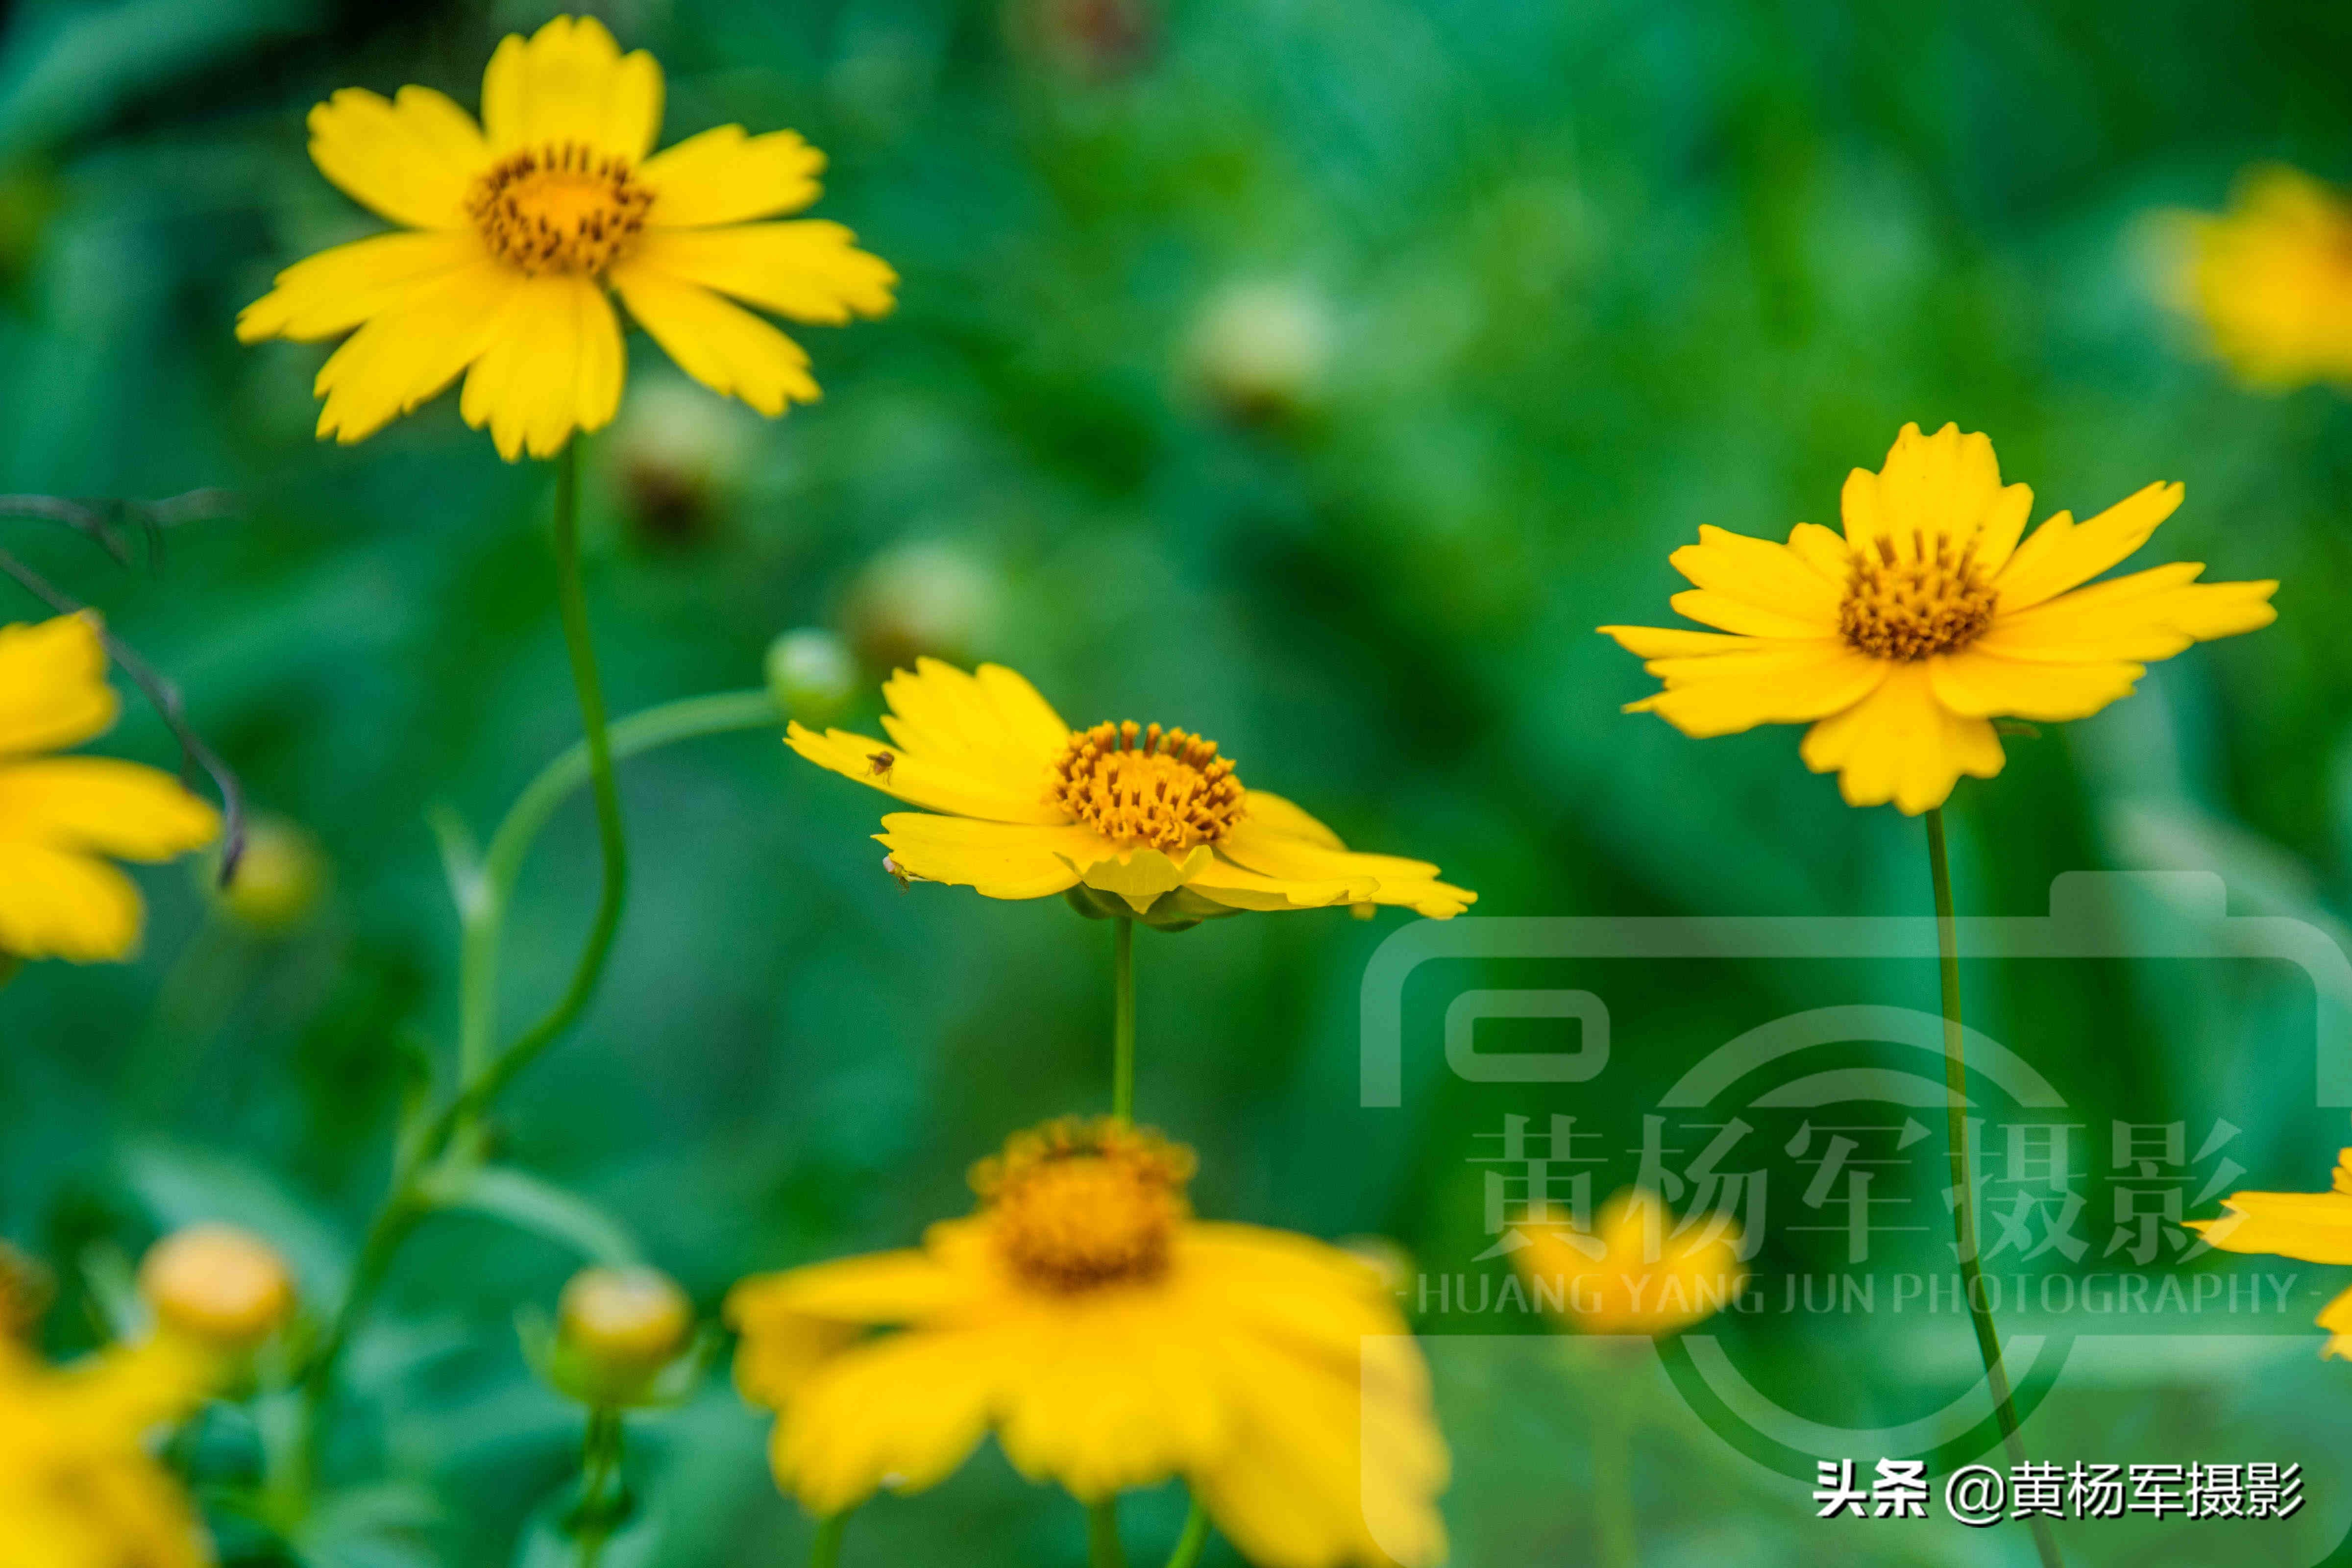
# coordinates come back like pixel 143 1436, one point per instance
pixel 223 1286
pixel 811 674
pixel 679 455
pixel 616 1329
pixel 1260 352
pixel 279 877
pixel 922 598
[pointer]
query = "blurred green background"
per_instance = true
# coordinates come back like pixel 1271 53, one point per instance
pixel 1316 376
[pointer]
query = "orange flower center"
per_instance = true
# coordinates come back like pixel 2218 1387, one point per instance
pixel 564 207
pixel 1078 1205
pixel 1910 606
pixel 1133 783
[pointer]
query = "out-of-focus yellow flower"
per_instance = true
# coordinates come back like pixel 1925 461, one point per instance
pixel 2315 1227
pixel 59 817
pixel 1902 640
pixel 78 1487
pixel 217 1286
pixel 1028 807
pixel 1110 1341
pixel 279 880
pixel 2271 278
pixel 1634 1274
pixel 518 227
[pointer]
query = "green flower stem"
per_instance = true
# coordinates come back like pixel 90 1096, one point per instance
pixel 1122 985
pixel 1964 1217
pixel 483 904
pixel 1196 1536
pixel 1103 1550
pixel 1613 1468
pixel 826 1551
pixel 603 1495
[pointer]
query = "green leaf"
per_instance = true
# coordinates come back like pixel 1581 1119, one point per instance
pixel 532 1204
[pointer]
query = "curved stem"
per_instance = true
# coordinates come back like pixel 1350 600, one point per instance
pixel 1122 987
pixel 1103 1550
pixel 826 1551
pixel 603 1495
pixel 1964 1217
pixel 1196 1536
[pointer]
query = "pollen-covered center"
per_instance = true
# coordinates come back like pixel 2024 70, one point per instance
pixel 1908 605
pixel 564 207
pixel 1079 1205
pixel 1132 783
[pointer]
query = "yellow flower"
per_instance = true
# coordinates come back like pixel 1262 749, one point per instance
pixel 78 1487
pixel 1029 807
pixel 1633 1275
pixel 2314 1228
pixel 2271 279
pixel 59 814
pixel 1902 641
pixel 520 224
pixel 1110 1341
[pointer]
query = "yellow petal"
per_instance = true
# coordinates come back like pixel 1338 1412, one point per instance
pixel 908 1286
pixel 810 270
pixel 721 345
pixel 904 1410
pixel 1135 872
pixel 1759 572
pixel 1315 872
pixel 53 689
pixel 725 176
pixel 950 784
pixel 553 366
pixel 2061 555
pixel 1112 1395
pixel 1273 811
pixel 97 804
pixel 411 352
pixel 335 290
pixel 1764 683
pixel 1900 744
pixel 1221 881
pixel 1945 485
pixel 1984 685
pixel 1823 549
pixel 995 859
pixel 2146 616
pixel 55 904
pixel 411 160
pixel 990 722
pixel 2272 278
pixel 1665 642
pixel 1794 622
pixel 2315 1227
pixel 570 83
pixel 2337 1319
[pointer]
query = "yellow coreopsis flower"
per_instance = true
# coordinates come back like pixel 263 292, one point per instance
pixel 59 817
pixel 1027 808
pixel 1902 640
pixel 2271 278
pixel 1110 1341
pixel 2314 1228
pixel 1634 1274
pixel 519 225
pixel 78 1486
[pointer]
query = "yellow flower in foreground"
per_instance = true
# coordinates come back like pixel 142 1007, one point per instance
pixel 1633 1275
pixel 2314 1228
pixel 78 1487
pixel 1901 641
pixel 60 815
pixel 520 224
pixel 2271 279
pixel 1029 807
pixel 1110 1341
